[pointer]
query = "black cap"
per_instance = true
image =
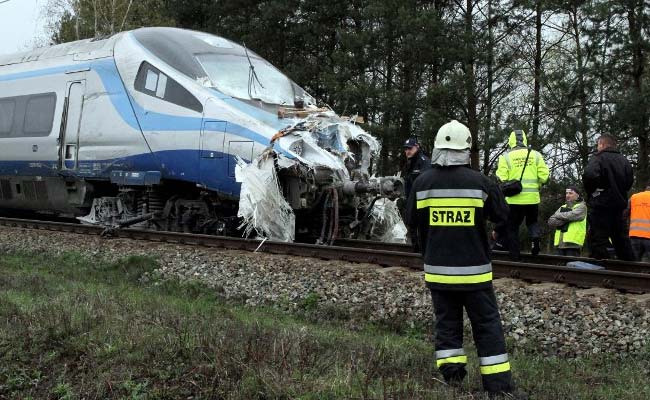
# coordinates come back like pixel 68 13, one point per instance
pixel 410 142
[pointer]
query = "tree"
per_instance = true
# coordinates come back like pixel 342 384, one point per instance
pixel 82 19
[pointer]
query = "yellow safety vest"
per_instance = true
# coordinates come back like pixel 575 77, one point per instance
pixel 576 232
pixel 536 173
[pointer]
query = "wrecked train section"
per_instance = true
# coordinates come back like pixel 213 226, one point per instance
pixel 328 188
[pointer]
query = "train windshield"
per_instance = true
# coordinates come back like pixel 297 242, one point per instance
pixel 249 77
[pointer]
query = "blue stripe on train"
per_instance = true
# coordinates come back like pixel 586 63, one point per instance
pixel 214 173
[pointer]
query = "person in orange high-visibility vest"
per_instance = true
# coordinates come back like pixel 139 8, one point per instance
pixel 640 223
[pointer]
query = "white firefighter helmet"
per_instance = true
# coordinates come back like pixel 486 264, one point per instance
pixel 453 136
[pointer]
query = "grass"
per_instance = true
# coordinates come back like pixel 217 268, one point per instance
pixel 73 327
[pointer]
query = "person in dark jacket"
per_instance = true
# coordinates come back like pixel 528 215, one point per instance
pixel 448 207
pixel 416 163
pixel 607 179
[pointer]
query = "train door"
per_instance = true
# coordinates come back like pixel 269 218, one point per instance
pixel 69 137
pixel 212 158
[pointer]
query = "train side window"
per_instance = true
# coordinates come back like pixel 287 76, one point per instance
pixel 7 108
pixel 39 114
pixel 151 81
pixel 151 84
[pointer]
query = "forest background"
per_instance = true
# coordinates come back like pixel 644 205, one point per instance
pixel 564 71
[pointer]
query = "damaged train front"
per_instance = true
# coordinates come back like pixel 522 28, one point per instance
pixel 315 183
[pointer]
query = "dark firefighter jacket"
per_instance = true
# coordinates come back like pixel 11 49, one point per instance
pixel 414 167
pixel 607 179
pixel 448 207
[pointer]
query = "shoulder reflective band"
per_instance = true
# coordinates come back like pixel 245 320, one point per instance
pixel 458 275
pixel 450 198
pixel 466 193
pixel 494 364
pixel 450 202
pixel 452 356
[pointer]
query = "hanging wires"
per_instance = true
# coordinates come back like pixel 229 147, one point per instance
pixel 252 75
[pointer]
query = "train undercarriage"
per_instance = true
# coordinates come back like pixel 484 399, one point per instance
pixel 331 212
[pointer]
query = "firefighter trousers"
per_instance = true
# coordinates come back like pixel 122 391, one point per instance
pixel 482 310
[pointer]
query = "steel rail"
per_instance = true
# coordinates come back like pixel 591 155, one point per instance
pixel 620 280
pixel 546 259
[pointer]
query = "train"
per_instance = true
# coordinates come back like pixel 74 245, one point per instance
pixel 151 128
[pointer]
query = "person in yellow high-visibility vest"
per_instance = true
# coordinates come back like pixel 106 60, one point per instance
pixel 640 223
pixel 570 224
pixel 525 204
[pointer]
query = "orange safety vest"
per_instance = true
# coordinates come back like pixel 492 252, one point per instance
pixel 640 215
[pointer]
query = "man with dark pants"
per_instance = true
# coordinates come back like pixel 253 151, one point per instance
pixel 570 224
pixel 527 165
pixel 640 223
pixel 607 179
pixel 416 163
pixel 447 209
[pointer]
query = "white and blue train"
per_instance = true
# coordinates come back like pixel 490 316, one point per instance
pixel 146 125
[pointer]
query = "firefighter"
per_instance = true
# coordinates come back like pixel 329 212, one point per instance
pixel 447 208
pixel 416 163
pixel 570 224
pixel 525 204
pixel 640 223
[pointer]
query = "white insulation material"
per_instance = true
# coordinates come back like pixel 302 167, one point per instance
pixel 261 204
pixel 387 224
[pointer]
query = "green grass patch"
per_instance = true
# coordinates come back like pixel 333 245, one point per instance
pixel 74 327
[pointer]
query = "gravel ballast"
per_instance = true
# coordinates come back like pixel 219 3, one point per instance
pixel 554 319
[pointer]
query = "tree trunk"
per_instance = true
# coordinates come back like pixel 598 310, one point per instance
pixel 487 125
pixel 470 84
pixel 583 123
pixel 538 69
pixel 640 119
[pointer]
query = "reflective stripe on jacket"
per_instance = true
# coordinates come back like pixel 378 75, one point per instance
pixel 576 232
pixel 536 173
pixel 640 215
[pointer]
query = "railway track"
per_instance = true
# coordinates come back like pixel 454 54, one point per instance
pixel 625 278
pixel 545 259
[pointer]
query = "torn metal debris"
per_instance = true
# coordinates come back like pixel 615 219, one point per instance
pixel 324 170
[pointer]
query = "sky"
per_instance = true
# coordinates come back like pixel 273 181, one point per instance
pixel 21 25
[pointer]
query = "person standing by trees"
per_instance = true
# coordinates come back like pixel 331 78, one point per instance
pixel 607 179
pixel 528 166
pixel 640 223
pixel 448 207
pixel 416 163
pixel 570 224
